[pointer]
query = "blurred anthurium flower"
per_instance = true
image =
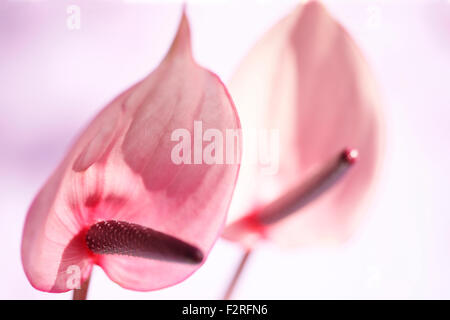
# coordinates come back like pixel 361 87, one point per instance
pixel 307 80
pixel 119 201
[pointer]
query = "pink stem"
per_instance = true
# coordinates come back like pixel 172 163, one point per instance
pixel 81 294
pixel 237 275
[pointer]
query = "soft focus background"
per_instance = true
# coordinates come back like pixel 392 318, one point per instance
pixel 54 79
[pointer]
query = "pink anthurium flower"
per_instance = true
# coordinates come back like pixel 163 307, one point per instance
pixel 119 200
pixel 308 80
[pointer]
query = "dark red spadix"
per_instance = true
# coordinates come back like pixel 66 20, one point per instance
pixel 299 196
pixel 307 191
pixel 124 238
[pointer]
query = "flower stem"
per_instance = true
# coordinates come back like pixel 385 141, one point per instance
pixel 237 275
pixel 81 294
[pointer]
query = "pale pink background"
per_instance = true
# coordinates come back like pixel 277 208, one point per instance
pixel 53 80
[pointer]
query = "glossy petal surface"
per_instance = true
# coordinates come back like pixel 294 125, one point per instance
pixel 307 79
pixel 120 168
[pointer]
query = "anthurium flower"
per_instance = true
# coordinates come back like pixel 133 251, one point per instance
pixel 307 79
pixel 118 199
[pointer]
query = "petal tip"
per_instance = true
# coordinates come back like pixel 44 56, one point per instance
pixel 182 41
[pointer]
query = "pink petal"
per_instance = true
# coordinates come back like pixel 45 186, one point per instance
pixel 121 169
pixel 307 78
